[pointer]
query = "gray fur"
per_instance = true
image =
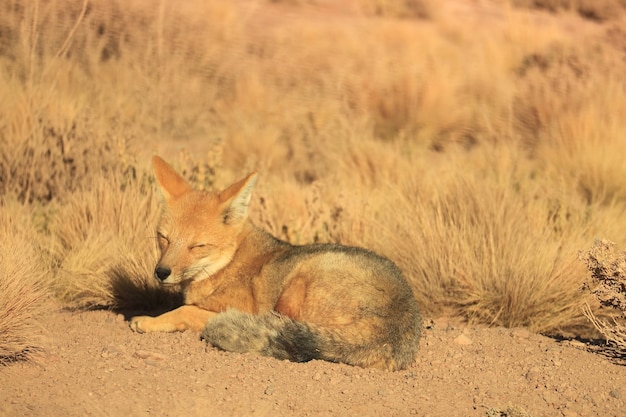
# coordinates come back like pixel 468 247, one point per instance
pixel 267 334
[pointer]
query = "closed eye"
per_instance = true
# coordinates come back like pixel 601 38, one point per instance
pixel 163 240
pixel 200 245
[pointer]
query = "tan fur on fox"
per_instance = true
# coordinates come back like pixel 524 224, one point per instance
pixel 250 292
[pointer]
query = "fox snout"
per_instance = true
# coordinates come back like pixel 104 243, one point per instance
pixel 162 272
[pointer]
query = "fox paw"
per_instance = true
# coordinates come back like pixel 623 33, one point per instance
pixel 140 324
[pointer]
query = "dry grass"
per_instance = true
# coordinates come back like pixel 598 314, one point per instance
pixel 423 9
pixel 479 148
pixel 472 244
pixel 103 242
pixel 23 297
pixel 599 10
pixel 569 111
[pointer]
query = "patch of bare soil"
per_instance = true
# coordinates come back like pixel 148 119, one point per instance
pixel 96 366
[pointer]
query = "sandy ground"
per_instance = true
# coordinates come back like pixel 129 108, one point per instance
pixel 96 366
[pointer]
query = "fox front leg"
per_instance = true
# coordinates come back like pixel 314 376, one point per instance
pixel 178 320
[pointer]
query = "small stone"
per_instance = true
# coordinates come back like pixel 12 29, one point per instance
pixel 148 355
pixel 520 333
pixel 615 394
pixel 462 340
pixel 533 373
pixel 110 352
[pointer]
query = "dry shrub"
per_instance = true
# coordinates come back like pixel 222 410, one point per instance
pixel 509 411
pixel 23 296
pixel 599 10
pixel 104 244
pixel 51 161
pixel 298 214
pixel 569 113
pixel 82 84
pixel 608 285
pixel 422 9
pixel 201 172
pixel 51 135
pixel 471 242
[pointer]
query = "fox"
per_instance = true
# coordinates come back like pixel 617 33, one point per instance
pixel 247 291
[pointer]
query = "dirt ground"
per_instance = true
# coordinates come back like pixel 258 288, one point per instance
pixel 96 366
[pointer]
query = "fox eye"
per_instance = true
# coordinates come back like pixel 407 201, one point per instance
pixel 162 238
pixel 198 246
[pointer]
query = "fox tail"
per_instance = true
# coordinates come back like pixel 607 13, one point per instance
pixel 276 335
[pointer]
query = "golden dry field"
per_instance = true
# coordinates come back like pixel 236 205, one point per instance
pixel 480 144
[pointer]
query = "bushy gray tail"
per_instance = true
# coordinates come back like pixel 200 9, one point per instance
pixel 273 334
pixel 268 334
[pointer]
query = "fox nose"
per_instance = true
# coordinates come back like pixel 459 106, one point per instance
pixel 162 272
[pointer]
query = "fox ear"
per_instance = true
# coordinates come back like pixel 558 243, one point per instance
pixel 236 199
pixel 172 185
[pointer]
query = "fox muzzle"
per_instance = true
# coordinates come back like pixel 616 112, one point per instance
pixel 162 272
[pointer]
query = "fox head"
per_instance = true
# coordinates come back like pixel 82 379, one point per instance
pixel 199 232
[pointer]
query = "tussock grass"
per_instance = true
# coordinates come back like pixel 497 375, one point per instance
pixel 599 10
pixel 23 297
pixel 297 214
pixel 424 9
pixel 564 127
pixel 103 241
pixel 473 244
pixel 479 148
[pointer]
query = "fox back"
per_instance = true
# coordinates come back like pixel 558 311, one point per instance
pixel 263 295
